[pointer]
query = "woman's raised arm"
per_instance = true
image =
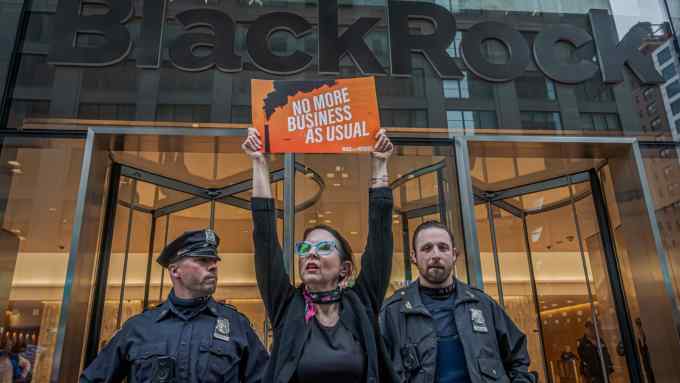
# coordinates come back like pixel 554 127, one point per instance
pixel 376 262
pixel 272 279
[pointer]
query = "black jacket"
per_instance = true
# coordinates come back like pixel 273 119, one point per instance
pixel 495 349
pixel 285 304
pixel 163 339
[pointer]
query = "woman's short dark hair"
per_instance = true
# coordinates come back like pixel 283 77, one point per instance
pixel 344 248
pixel 430 225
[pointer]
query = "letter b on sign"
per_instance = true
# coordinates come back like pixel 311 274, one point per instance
pixel 94 40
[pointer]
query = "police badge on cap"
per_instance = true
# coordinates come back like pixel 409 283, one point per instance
pixel 198 243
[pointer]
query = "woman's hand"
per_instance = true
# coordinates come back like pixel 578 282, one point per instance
pixel 383 147
pixel 252 145
pixel 382 150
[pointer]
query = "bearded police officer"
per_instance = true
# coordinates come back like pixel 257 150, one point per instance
pixel 440 330
pixel 189 337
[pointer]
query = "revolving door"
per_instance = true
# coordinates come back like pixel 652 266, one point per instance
pixel 147 210
pixel 548 258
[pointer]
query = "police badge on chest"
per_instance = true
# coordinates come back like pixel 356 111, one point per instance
pixel 222 329
pixel 478 321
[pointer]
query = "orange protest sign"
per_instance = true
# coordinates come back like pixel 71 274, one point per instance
pixel 316 116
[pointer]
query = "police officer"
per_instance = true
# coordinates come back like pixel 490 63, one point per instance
pixel 438 329
pixel 189 337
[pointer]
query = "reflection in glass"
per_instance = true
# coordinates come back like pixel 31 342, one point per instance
pixel 542 258
pixel 38 188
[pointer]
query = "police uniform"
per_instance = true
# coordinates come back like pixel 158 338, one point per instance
pixel 494 348
pixel 211 343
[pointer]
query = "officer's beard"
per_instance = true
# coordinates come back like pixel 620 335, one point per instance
pixel 436 274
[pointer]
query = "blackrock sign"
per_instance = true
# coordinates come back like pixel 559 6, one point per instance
pixel 612 55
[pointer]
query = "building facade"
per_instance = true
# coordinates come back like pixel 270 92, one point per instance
pixel 544 133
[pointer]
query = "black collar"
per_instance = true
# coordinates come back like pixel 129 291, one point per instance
pixel 411 303
pixel 167 307
pixel 438 293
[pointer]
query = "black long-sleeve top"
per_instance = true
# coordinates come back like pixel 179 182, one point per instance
pixel 360 304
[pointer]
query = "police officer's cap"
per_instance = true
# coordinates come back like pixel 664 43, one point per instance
pixel 198 243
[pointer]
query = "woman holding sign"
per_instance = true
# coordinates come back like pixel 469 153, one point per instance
pixel 324 331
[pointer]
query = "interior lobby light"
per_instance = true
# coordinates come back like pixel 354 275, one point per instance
pixel 14 164
pixel 17 171
pixel 539 204
pixel 330 175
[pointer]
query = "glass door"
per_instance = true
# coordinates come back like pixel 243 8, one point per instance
pixel 547 259
pixel 150 207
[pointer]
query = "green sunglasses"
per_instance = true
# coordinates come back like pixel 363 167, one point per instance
pixel 323 248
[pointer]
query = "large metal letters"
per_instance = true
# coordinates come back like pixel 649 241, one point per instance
pixel 104 39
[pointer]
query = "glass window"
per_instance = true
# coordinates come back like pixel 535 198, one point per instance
pixel 673 88
pixel 23 110
pixel 413 86
pixel 469 119
pixel 454 48
pixel 35 72
pixel 541 120
pixel 664 55
pixel 675 107
pixel 183 113
pixel 92 111
pixel 535 87
pixel 413 118
pixel 39 184
pixel 600 122
pixel 495 51
pixel 669 72
pixel 38 29
pixel 118 78
pixel 470 86
pixel 456 88
pixel 241 114
pixel 594 90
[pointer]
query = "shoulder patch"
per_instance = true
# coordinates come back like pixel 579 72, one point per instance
pixel 396 297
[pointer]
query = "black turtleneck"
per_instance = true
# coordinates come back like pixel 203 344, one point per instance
pixel 438 293
pixel 188 307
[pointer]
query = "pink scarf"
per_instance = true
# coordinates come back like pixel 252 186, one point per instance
pixel 310 309
pixel 321 298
